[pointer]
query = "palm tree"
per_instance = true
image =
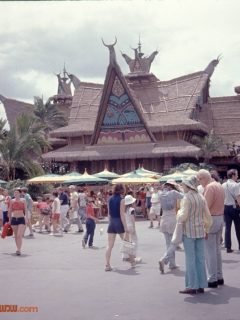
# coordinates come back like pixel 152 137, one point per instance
pixel 48 115
pixel 21 148
pixel 208 145
pixel 3 131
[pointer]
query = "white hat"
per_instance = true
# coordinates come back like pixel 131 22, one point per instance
pixel 129 199
pixel 191 182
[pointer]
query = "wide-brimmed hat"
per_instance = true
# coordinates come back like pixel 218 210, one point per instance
pixel 173 184
pixel 129 199
pixel 191 183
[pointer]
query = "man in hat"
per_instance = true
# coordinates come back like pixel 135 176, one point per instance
pixel 169 198
pixel 214 195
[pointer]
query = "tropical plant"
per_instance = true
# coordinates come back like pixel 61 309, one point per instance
pixel 48 115
pixel 22 147
pixel 208 145
pixel 3 131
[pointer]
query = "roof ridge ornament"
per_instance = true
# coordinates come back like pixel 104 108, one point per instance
pixel 211 66
pixel 112 53
pixel 140 64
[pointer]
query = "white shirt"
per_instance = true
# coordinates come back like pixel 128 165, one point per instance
pixel 232 190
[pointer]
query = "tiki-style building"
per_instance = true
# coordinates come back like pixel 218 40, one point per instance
pixel 138 119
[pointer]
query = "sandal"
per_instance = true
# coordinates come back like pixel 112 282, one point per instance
pixel 108 268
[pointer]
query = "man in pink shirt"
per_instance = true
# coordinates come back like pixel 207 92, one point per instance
pixel 214 195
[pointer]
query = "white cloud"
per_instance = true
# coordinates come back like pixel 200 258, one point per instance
pixel 38 37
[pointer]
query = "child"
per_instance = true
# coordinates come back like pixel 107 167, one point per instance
pixel 90 225
pixel 131 234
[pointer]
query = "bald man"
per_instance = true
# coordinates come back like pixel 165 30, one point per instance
pixel 214 195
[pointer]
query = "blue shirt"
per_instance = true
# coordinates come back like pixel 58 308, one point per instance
pixel 114 206
pixel 168 199
pixel 63 198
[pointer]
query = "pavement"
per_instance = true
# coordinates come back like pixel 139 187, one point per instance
pixel 67 282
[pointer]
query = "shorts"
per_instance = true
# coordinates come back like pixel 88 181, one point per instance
pixel 55 216
pixel 155 210
pixel 17 221
pixel 115 226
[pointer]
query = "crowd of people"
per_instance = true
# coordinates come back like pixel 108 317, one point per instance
pixel 193 213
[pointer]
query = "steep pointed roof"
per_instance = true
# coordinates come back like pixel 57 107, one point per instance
pixel 119 118
pixel 15 108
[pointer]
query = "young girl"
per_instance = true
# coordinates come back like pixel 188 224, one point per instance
pixel 90 226
pixel 130 232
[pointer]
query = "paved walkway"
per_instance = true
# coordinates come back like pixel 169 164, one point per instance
pixel 67 282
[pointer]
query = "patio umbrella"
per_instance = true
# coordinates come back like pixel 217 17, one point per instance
pixel 190 172
pixel 134 178
pixel 47 178
pixel 142 172
pixel 177 176
pixel 74 175
pixel 105 174
pixel 86 179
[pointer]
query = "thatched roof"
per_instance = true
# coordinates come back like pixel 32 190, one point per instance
pixel 177 148
pixel 164 105
pixel 222 114
pixel 15 108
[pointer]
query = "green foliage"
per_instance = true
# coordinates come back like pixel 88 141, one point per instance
pixel 23 144
pixel 48 115
pixel 208 145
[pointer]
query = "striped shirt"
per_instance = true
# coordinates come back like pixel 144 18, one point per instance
pixel 195 215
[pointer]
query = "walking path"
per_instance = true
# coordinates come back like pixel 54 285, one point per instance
pixel 67 282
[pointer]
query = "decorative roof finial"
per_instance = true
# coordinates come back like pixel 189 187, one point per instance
pixel 112 53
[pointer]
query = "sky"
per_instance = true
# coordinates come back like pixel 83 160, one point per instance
pixel 38 37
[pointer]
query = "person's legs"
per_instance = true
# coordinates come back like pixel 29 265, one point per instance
pixel 228 226
pixel 171 254
pixel 63 217
pixel 91 234
pixel 211 256
pixel 29 222
pixel 111 241
pixel 191 279
pixel 201 275
pixel 20 233
pixel 236 221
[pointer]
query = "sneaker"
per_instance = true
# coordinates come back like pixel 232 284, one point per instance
pixel 18 253
pixel 138 259
pixel 30 235
pixel 80 230
pixel 108 268
pixel 161 266
pixel 173 267
pixel 83 244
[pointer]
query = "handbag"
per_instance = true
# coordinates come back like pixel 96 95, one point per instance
pixel 7 230
pixel 128 247
pixel 177 237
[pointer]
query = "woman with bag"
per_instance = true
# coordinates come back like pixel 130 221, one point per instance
pixel 17 210
pixel 197 220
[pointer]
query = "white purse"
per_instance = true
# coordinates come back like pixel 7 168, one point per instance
pixel 177 237
pixel 128 247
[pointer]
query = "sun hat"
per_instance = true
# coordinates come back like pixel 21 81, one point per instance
pixel 191 183
pixel 172 183
pixel 129 199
